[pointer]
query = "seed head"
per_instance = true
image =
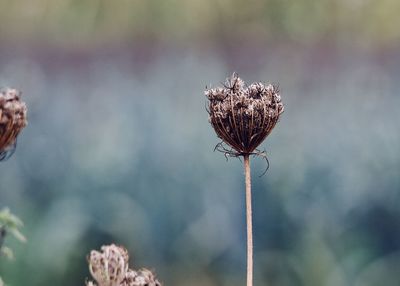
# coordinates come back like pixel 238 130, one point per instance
pixel 243 116
pixel 109 267
pixel 12 120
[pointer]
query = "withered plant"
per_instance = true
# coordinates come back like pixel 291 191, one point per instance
pixel 243 116
pixel 12 120
pixel 109 267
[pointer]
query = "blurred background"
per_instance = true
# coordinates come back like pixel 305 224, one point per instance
pixel 119 148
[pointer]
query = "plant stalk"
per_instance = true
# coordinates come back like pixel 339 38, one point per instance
pixel 249 221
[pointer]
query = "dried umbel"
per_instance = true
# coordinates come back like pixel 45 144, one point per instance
pixel 12 120
pixel 243 116
pixel 109 267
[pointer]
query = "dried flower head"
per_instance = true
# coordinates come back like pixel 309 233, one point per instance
pixel 143 277
pixel 243 116
pixel 12 120
pixel 109 267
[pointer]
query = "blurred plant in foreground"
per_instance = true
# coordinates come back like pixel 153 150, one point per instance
pixel 110 268
pixel 9 223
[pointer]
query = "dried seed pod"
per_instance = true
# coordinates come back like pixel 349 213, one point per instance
pixel 12 120
pixel 243 116
pixel 109 267
pixel 143 277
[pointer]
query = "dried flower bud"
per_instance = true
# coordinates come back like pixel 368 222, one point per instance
pixel 142 277
pixel 109 267
pixel 243 116
pixel 12 120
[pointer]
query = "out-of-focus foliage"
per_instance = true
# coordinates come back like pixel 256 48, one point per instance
pixel 9 223
pixel 118 147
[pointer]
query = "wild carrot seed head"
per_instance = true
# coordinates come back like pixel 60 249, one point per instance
pixel 12 119
pixel 110 268
pixel 243 116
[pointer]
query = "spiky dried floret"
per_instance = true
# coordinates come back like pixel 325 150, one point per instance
pixel 243 116
pixel 143 277
pixel 12 119
pixel 130 277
